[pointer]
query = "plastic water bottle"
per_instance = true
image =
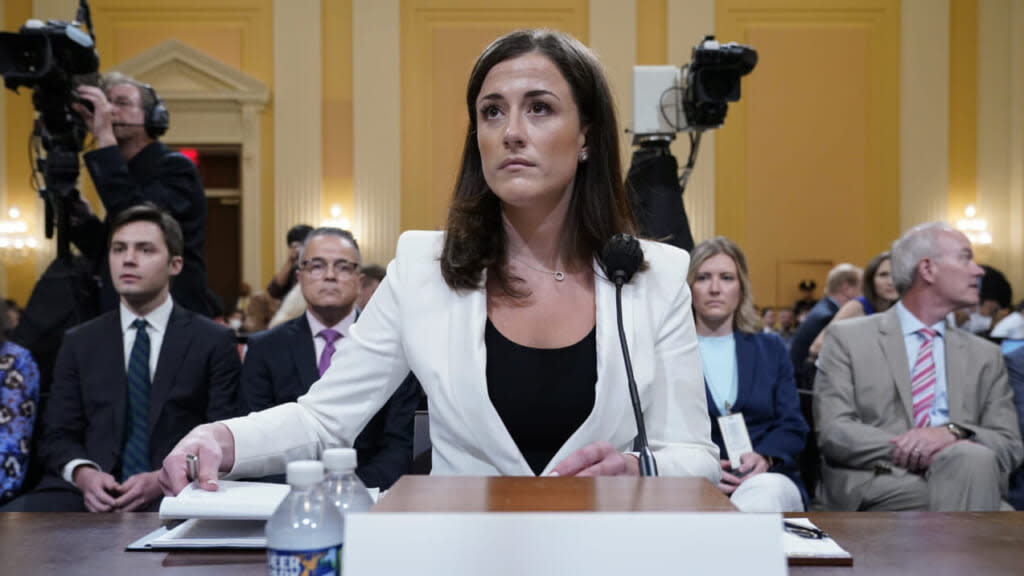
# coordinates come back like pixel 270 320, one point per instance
pixel 343 487
pixel 304 535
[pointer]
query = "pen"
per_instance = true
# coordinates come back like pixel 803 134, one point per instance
pixel 192 462
pixel 803 531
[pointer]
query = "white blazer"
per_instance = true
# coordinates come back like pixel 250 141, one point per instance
pixel 416 322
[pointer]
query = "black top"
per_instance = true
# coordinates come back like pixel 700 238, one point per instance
pixel 542 395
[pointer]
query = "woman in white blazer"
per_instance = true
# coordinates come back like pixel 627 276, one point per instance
pixel 506 317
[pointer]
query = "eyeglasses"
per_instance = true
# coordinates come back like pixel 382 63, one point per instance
pixel 317 268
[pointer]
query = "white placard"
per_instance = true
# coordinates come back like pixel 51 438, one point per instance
pixel 735 437
pixel 555 544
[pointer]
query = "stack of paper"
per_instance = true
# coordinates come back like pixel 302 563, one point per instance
pixel 813 551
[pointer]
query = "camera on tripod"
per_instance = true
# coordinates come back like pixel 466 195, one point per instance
pixel 52 58
pixel 694 98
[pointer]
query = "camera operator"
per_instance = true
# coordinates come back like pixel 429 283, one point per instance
pixel 129 167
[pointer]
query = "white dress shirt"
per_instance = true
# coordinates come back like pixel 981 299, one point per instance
pixel 156 327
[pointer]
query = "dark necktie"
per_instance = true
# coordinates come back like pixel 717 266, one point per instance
pixel 136 445
pixel 329 336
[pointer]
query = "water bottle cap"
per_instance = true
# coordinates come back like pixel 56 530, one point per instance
pixel 339 459
pixel 304 473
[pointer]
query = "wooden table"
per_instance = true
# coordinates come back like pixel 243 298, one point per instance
pixel 525 494
pixel 902 544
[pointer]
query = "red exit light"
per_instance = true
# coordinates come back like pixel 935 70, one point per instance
pixel 190 153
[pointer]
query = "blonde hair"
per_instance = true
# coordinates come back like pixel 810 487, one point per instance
pixel 745 319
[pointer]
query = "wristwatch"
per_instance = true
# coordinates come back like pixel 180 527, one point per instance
pixel 959 432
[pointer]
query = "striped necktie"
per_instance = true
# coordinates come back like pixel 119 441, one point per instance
pixel 135 457
pixel 922 379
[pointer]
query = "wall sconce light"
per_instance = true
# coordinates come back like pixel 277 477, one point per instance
pixel 976 229
pixel 337 221
pixel 16 245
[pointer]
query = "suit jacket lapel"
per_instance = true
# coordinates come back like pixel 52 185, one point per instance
pixel 745 359
pixel 895 350
pixel 303 351
pixel 176 342
pixel 956 350
pixel 119 383
pixel 467 372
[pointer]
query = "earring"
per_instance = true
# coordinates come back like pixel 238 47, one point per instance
pixel 583 156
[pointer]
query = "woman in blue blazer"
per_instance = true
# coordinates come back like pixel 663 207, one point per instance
pixel 747 373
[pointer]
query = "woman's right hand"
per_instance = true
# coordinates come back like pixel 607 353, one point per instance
pixel 213 444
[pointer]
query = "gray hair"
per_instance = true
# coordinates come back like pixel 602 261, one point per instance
pixel 842 275
pixel 331 231
pixel 146 94
pixel 916 244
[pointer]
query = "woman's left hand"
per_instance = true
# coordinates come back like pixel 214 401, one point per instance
pixel 598 459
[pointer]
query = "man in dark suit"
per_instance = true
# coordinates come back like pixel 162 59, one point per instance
pixel 130 166
pixel 1015 366
pixel 841 286
pixel 131 383
pixel 282 363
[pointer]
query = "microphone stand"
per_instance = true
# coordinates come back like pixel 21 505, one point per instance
pixel 648 467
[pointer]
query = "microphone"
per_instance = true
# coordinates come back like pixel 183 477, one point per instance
pixel 621 257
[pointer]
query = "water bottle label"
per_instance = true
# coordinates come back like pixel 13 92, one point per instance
pixel 321 562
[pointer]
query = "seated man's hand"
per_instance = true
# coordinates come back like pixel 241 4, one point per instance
pixel 598 459
pixel 98 488
pixel 215 447
pixel 138 491
pixel 915 448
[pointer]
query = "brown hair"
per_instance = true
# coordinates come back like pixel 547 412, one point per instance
pixel 475 238
pixel 148 212
pixel 745 318
pixel 868 285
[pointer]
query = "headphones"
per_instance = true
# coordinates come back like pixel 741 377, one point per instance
pixel 158 119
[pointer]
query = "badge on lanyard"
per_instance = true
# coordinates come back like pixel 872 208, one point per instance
pixel 735 436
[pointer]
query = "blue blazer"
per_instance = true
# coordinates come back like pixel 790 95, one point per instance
pixel 280 365
pixel 1015 367
pixel 768 400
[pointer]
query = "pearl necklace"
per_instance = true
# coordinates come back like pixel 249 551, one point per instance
pixel 558 274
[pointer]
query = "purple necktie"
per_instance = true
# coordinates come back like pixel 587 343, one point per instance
pixel 329 336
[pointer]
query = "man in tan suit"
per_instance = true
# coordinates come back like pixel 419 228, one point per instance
pixel 913 413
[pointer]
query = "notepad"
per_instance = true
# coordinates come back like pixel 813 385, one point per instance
pixel 206 534
pixel 232 501
pixel 812 551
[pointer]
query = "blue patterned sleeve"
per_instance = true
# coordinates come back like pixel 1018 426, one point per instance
pixel 19 398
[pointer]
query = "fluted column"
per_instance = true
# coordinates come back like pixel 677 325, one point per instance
pixel 1000 197
pixel 924 111
pixel 376 103
pixel 688 22
pixel 298 151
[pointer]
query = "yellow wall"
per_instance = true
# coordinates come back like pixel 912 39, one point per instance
pixel 440 41
pixel 807 163
pixel 18 118
pixel 963 105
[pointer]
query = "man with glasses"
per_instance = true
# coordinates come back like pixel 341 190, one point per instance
pixel 283 362
pixel 129 166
